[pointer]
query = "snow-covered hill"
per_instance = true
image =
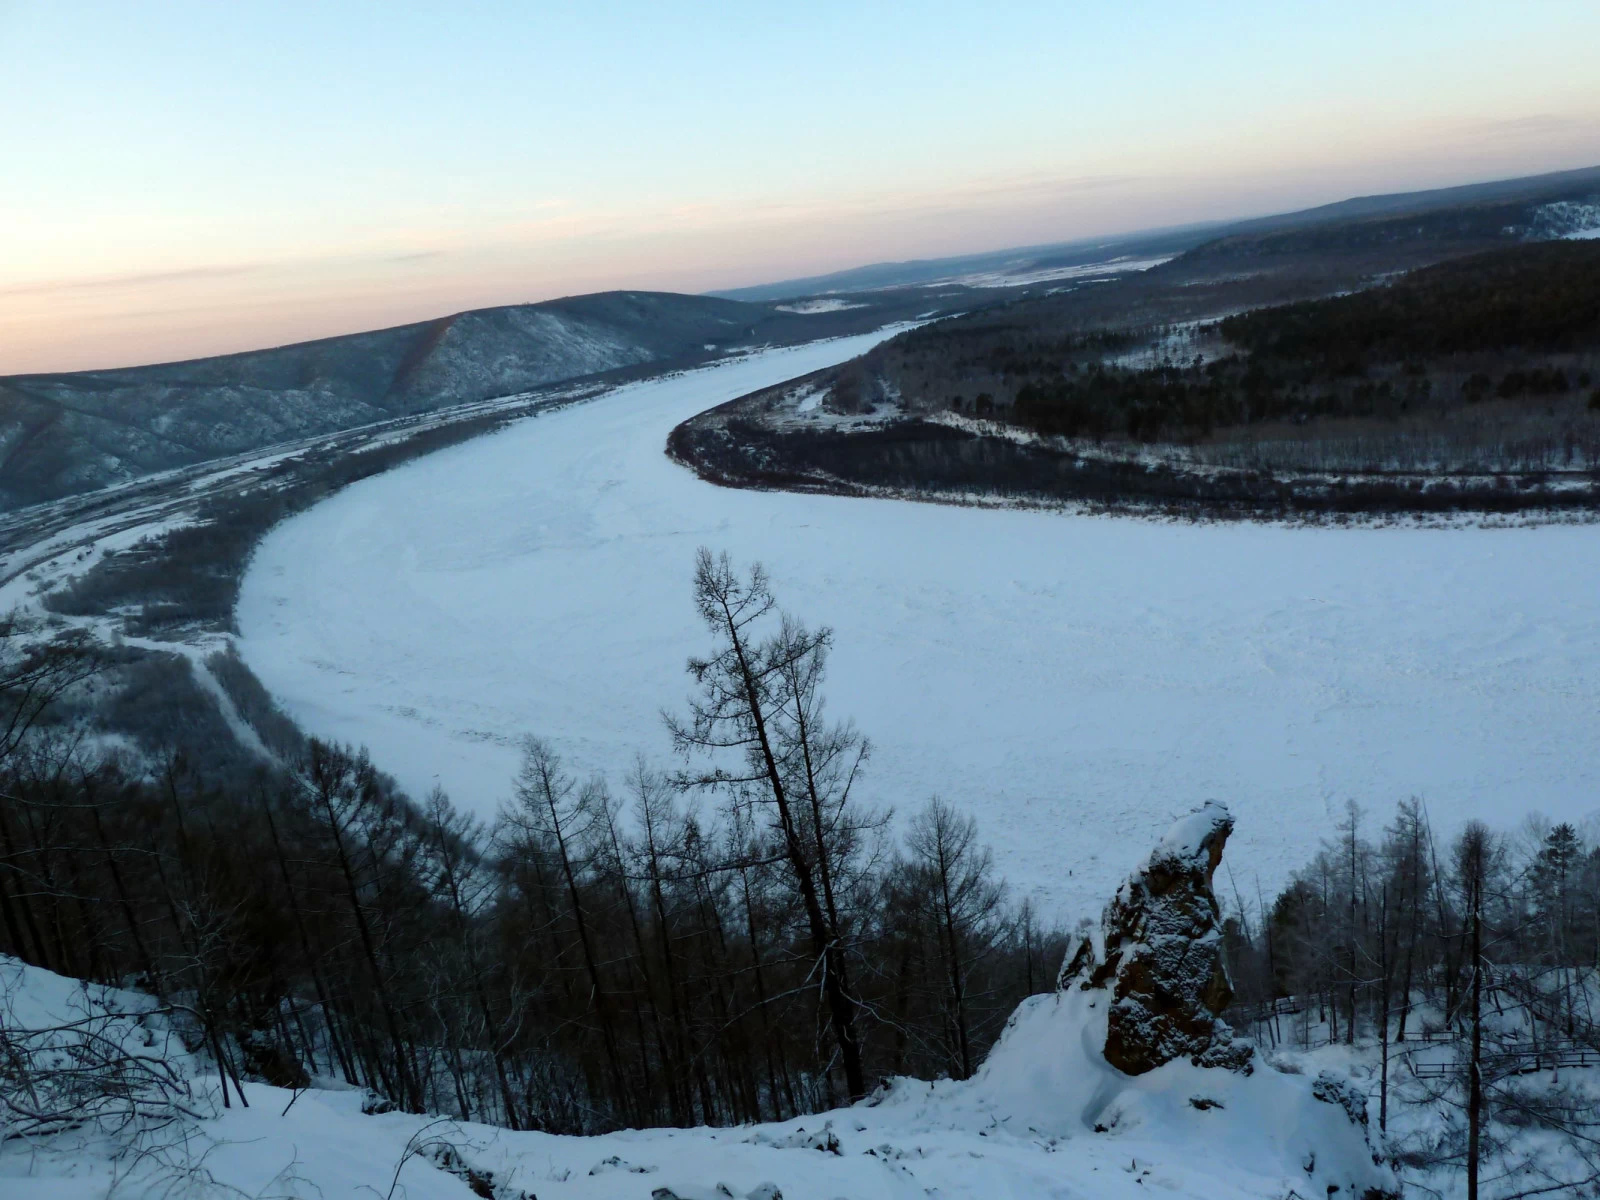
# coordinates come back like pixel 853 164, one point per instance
pixel 69 433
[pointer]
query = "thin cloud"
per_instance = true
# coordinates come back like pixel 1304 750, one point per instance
pixel 139 279
pixel 1534 125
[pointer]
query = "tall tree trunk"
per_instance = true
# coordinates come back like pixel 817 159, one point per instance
pixel 41 954
pixel 1475 1068
pixel 1383 1013
pixel 620 1092
pixel 824 942
pixel 146 963
pixel 335 1043
pixel 409 1089
pixel 953 958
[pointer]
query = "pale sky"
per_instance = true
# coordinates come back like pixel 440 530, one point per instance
pixel 187 177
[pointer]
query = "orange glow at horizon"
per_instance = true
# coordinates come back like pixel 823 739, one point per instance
pixel 208 179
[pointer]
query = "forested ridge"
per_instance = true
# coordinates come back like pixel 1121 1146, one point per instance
pixel 1519 324
pixel 1539 297
pixel 1471 385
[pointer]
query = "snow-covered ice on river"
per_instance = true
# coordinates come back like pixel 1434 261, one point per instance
pixel 1075 681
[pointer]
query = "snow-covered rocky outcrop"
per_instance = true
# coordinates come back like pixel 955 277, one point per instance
pixel 1158 951
pixel 1134 1038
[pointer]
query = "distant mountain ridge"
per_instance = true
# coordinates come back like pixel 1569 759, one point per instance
pixel 1181 239
pixel 66 433
pixel 1498 191
pixel 925 271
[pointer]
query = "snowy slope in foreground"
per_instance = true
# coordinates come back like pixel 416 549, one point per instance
pixel 1023 1127
pixel 1076 682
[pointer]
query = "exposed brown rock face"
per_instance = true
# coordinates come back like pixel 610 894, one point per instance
pixel 1159 950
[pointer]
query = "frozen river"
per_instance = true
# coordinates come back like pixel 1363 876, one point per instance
pixel 1074 681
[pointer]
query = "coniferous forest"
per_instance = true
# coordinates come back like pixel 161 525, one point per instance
pixel 731 936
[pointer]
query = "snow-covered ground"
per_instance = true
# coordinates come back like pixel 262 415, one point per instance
pixel 1025 1126
pixel 1578 219
pixel 1074 681
pixel 811 308
pixel 1025 275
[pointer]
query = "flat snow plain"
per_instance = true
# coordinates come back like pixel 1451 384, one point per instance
pixel 1076 682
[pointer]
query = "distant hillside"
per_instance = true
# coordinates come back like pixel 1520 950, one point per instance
pixel 1020 260
pixel 1529 188
pixel 1465 386
pixel 67 433
pixel 1479 211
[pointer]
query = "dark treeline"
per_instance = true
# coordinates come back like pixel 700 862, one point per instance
pixel 929 460
pixel 1191 403
pixel 1382 350
pixel 1521 324
pixel 736 939
pixel 1514 325
pixel 1538 297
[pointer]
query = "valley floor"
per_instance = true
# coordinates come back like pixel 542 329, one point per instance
pixel 1073 681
